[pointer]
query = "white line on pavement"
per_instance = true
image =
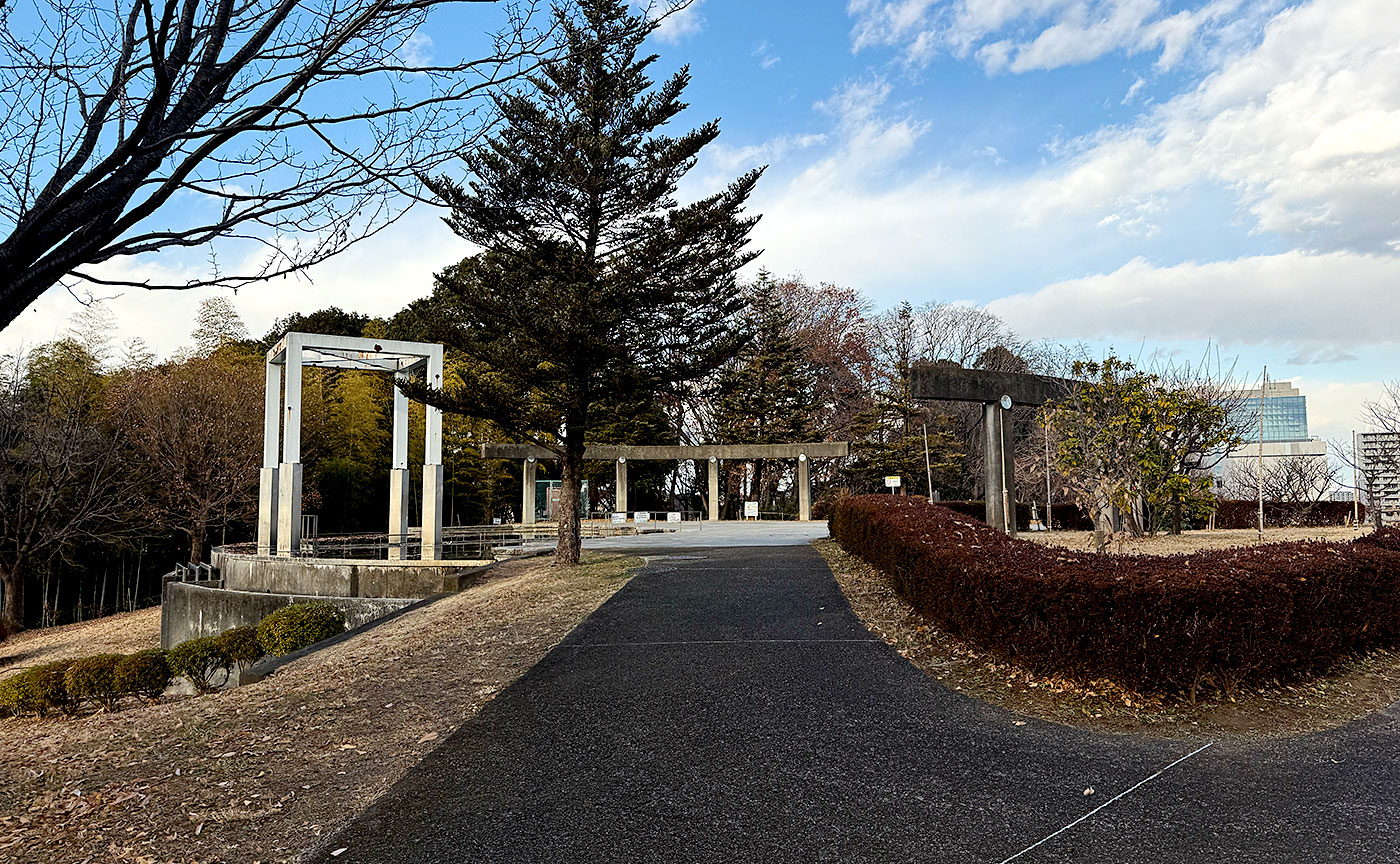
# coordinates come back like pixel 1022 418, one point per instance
pixel 1106 803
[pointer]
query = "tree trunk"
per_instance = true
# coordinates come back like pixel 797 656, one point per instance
pixel 1176 514
pixel 197 543
pixel 570 487
pixel 1103 519
pixel 14 598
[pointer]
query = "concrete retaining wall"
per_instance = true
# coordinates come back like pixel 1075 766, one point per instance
pixel 192 609
pixel 327 577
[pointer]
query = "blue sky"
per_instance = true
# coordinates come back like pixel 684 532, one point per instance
pixel 1153 176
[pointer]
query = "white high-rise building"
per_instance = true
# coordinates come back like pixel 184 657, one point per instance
pixel 1379 467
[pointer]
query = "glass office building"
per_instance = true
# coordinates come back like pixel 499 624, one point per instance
pixel 1285 413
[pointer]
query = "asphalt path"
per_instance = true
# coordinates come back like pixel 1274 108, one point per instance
pixel 727 706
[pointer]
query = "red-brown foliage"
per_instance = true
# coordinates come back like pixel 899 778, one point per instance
pixel 1245 514
pixel 1153 623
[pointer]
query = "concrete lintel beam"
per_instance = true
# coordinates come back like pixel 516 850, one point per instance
pixel 933 383
pixel 613 452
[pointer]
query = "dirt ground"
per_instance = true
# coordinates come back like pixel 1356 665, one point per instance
pixel 1193 541
pixel 119 634
pixel 258 773
pixel 1355 689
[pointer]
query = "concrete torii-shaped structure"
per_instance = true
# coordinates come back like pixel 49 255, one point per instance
pixel 279 484
pixel 712 454
pixel 998 392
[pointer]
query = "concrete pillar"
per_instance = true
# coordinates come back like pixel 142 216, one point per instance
pixel 432 465
pixel 289 472
pixel 267 510
pixel 1000 469
pixel 432 513
pixel 527 493
pixel 398 477
pixel 620 498
pixel 804 488
pixel 398 513
pixel 267 477
pixel 713 515
pixel 289 509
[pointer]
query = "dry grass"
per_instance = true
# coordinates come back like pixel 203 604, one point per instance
pixel 1355 689
pixel 1192 541
pixel 259 773
pixel 124 633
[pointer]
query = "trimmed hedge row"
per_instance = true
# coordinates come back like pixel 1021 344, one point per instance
pixel 1154 623
pixel 103 680
pixel 1067 517
pixel 1245 514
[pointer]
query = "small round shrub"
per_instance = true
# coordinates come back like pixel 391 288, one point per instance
pixel 94 679
pixel 242 646
pixel 50 690
pixel 294 627
pixel 17 694
pixel 203 661
pixel 145 673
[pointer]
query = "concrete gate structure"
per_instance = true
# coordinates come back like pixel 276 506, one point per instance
pixel 279 484
pixel 998 392
pixel 712 454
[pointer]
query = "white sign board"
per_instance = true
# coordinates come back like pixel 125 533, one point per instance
pixel 892 482
pixel 641 516
pixel 619 518
pixel 750 509
pixel 673 517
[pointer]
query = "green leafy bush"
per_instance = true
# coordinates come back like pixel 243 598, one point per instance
pixel 145 673
pixel 49 688
pixel 294 627
pixel 242 646
pixel 17 694
pixel 1155 623
pixel 94 679
pixel 203 661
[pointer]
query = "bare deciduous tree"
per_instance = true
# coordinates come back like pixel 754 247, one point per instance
pixel 288 130
pixel 198 434
pixel 1301 481
pixel 64 479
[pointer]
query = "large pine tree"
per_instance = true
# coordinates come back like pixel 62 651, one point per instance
pixel 593 280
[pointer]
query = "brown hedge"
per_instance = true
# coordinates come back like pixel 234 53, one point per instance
pixel 1153 623
pixel 1245 514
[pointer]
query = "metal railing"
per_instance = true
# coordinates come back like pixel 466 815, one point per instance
pixel 462 543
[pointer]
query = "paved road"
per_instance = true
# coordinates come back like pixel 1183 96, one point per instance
pixel 731 708
pixel 707 535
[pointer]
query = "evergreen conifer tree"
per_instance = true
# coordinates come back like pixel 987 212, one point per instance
pixel 766 393
pixel 593 279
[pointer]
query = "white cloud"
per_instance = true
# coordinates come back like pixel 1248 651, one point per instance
pixel 377 277
pixel 1318 306
pixel 767 57
pixel 1304 129
pixel 678 22
pixel 1133 91
pixel 1028 35
pixel 1335 409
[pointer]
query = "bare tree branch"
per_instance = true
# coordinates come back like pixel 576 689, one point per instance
pixel 291 127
